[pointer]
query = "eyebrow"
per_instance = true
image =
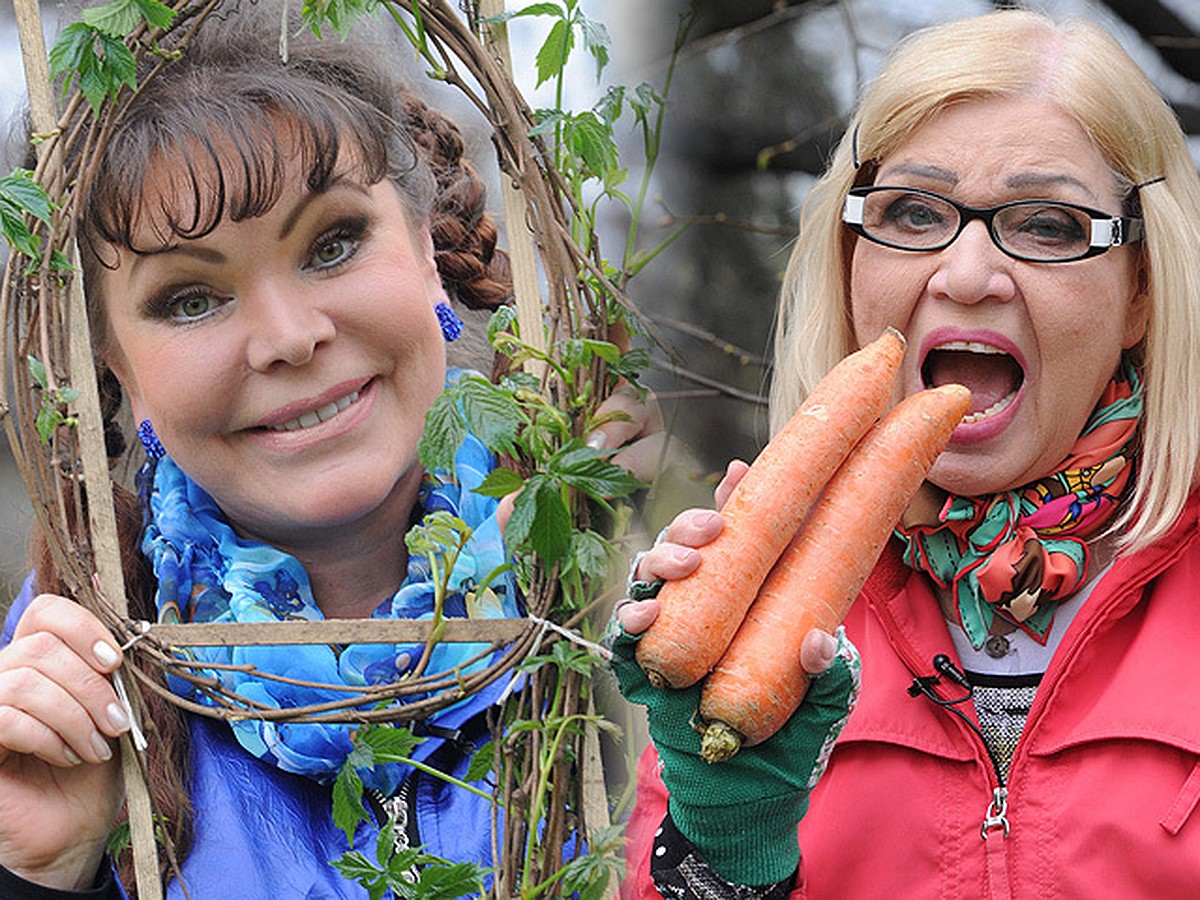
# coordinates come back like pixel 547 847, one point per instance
pixel 297 211
pixel 216 257
pixel 1020 180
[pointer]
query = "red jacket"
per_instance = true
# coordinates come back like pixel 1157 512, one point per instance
pixel 1103 786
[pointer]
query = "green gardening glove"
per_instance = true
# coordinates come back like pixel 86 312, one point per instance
pixel 742 813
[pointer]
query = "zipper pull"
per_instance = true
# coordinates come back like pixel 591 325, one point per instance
pixel 997 813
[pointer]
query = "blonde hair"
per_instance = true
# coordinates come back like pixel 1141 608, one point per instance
pixel 1085 71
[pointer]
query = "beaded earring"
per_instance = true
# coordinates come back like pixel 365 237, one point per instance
pixel 150 442
pixel 452 325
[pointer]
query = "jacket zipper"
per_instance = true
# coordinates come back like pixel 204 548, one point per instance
pixel 995 817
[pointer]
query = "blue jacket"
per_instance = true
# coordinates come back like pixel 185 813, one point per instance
pixel 263 833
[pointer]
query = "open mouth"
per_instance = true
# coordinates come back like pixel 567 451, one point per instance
pixel 317 416
pixel 994 377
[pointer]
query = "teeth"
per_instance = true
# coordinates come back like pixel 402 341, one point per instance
pixel 992 410
pixel 971 347
pixel 324 414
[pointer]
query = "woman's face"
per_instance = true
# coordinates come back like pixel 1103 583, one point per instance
pixel 287 361
pixel 1035 342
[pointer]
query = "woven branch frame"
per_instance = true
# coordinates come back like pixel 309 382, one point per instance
pixel 44 317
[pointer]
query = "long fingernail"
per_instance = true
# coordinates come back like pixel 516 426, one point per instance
pixel 100 745
pixel 117 718
pixel 106 654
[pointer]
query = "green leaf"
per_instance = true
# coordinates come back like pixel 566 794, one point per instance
pixel 631 364
pixel 565 656
pixel 444 433
pixel 595 41
pixel 591 140
pixel 644 99
pixel 500 482
pixel 550 527
pixel 356 867
pixel 115 19
pixel 541 520
pixel 348 809
pixel 37 371
pixel 21 195
pixel 385 845
pixel 19 190
pixel 390 743
pixel 437 534
pixel 503 319
pixel 554 52
pixel 99 62
pixel 119 65
pixel 589 874
pixel 17 233
pixel 610 105
pixel 492 414
pixel 446 882
pixel 340 15
pixel 156 14
pixel 482 762
pixel 585 469
pixel 533 9
pixel 589 554
pixel 73 42
pixel 548 121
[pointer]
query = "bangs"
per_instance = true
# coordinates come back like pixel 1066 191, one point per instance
pixel 201 153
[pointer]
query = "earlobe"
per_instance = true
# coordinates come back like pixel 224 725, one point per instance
pixel 117 366
pixel 1137 315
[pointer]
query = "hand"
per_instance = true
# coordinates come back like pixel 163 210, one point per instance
pixel 742 813
pixel 60 784
pixel 634 425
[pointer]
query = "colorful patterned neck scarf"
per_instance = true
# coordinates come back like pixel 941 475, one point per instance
pixel 1017 553
pixel 208 573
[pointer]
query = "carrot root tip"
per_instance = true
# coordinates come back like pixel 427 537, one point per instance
pixel 720 742
pixel 657 679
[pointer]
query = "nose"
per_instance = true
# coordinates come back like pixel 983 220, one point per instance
pixel 286 327
pixel 973 268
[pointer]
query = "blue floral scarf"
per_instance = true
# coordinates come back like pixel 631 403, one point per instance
pixel 208 573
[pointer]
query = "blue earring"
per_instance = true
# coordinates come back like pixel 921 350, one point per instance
pixel 150 442
pixel 452 325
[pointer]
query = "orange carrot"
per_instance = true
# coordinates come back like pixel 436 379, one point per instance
pixel 700 613
pixel 759 682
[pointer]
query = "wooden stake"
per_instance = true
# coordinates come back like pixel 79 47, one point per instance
pixel 107 558
pixel 522 251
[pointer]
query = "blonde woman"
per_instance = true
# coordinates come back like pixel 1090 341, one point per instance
pixel 1015 197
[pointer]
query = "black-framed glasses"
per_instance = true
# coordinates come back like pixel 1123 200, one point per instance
pixel 1031 230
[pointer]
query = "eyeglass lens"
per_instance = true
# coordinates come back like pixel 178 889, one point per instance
pixel 1034 229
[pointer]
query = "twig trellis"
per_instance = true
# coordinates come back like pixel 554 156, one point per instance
pixel 43 309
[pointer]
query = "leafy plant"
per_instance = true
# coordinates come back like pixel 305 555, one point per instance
pixel 20 195
pixel 92 53
pixel 407 872
pixel 52 412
